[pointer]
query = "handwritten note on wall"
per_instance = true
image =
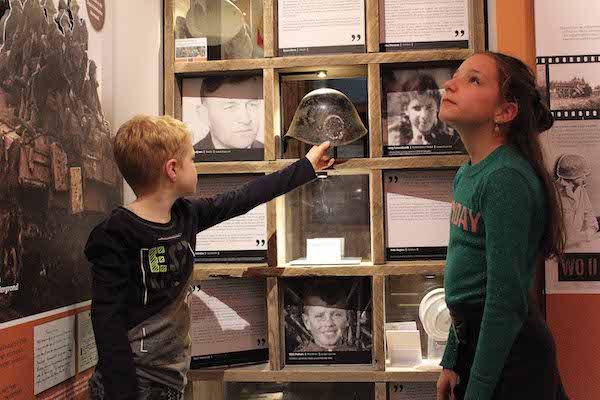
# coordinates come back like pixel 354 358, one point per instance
pixel 54 353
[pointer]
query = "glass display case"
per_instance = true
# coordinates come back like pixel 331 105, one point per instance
pixel 330 207
pixel 218 30
pixel 293 89
pixel 416 303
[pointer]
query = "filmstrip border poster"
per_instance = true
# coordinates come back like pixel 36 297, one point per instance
pixel 58 181
pixel 226 117
pixel 227 328
pixel 328 320
pixel 568 73
pixel 423 25
pixel 318 27
pixel 418 205
pixel 242 239
pixel 411 104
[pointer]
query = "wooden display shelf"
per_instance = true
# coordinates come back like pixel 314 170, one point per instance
pixel 349 166
pixel 317 373
pixel 395 268
pixel 321 61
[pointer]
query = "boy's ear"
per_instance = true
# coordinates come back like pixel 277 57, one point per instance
pixel 171 169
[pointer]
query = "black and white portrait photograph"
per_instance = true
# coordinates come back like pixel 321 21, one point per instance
pixel 328 320
pixel 225 116
pixel 575 86
pixel 411 125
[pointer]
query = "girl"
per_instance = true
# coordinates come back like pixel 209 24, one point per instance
pixel 506 214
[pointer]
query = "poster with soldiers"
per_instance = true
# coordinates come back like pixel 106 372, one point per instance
pixel 56 167
pixel 58 180
pixel 568 66
pixel 574 87
pixel 328 320
pixel 571 150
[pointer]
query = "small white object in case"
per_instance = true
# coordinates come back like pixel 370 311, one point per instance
pixel 325 249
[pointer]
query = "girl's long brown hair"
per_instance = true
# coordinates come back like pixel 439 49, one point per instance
pixel 517 84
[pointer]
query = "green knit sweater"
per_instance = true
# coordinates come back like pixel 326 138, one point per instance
pixel 498 217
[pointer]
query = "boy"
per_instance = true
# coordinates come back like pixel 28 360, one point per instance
pixel 142 257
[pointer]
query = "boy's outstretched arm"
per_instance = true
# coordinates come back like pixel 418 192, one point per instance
pixel 211 211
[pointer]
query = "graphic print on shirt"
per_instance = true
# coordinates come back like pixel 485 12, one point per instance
pixel 163 266
pixel 465 218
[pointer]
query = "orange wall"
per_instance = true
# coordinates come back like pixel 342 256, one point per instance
pixel 516 29
pixel 574 322
pixel 574 318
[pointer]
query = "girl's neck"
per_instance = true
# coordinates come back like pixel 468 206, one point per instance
pixel 480 142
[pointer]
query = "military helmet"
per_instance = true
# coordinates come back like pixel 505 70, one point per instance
pixel 572 166
pixel 326 115
pixel 217 21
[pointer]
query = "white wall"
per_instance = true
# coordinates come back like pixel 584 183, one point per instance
pixel 137 62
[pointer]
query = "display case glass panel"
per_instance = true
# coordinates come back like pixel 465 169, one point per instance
pixel 329 207
pixel 218 30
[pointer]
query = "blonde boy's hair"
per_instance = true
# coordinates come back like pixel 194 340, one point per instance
pixel 143 144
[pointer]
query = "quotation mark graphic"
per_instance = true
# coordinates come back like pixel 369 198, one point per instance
pixel 462 33
pixel 260 341
pixel 355 37
pixel 260 242
pixel 393 178
pixel 398 388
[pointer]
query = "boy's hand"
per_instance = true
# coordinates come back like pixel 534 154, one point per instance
pixel 318 157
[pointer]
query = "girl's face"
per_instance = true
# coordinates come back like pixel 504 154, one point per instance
pixel 422 112
pixel 472 96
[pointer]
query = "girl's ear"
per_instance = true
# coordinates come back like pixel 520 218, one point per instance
pixel 506 113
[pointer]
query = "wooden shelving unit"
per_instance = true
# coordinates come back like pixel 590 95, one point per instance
pixel 207 384
pixel 318 373
pixel 211 271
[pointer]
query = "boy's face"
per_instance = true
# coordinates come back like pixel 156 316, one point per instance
pixel 326 323
pixel 187 175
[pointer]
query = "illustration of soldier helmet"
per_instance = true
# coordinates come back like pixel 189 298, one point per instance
pixel 572 166
pixel 326 115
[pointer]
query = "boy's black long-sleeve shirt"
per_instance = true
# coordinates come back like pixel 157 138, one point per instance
pixel 141 280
